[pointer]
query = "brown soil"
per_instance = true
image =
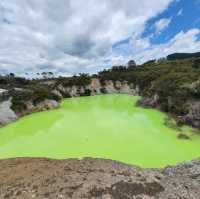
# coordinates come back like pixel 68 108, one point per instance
pixel 26 178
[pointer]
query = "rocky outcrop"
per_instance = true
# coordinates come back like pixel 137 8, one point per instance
pixel 42 106
pixel 96 179
pixel 47 105
pixel 96 88
pixel 193 117
pixel 120 87
pixel 2 91
pixel 149 102
pixel 7 115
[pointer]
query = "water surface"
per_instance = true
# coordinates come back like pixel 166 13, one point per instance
pixel 108 126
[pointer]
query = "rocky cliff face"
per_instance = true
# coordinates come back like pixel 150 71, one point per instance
pixel 42 106
pixel 96 179
pixel 97 88
pixel 193 117
pixel 149 102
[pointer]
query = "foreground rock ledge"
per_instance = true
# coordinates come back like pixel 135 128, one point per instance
pixel 27 178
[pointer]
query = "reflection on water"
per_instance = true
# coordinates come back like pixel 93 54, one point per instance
pixel 108 126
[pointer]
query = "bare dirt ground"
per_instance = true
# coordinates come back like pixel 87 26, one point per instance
pixel 26 178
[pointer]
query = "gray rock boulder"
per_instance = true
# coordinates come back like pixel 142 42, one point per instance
pixel 7 115
pixel 193 117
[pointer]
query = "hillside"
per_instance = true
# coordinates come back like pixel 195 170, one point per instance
pixel 180 56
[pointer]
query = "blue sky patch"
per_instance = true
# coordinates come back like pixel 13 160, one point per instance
pixel 184 15
pixel 181 17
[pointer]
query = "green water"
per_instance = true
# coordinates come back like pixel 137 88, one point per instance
pixel 108 126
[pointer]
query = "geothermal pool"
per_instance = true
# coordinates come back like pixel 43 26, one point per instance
pixel 108 126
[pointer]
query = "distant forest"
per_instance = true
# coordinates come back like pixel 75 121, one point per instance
pixel 176 56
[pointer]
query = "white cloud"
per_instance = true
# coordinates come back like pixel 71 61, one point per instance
pixel 182 42
pixel 162 24
pixel 68 36
pixel 180 12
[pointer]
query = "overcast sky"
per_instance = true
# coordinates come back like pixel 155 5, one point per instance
pixel 72 36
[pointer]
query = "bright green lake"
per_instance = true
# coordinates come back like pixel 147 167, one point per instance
pixel 108 126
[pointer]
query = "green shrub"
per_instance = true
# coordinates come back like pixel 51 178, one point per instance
pixel 40 94
pixel 19 100
pixel 80 80
pixel 36 94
